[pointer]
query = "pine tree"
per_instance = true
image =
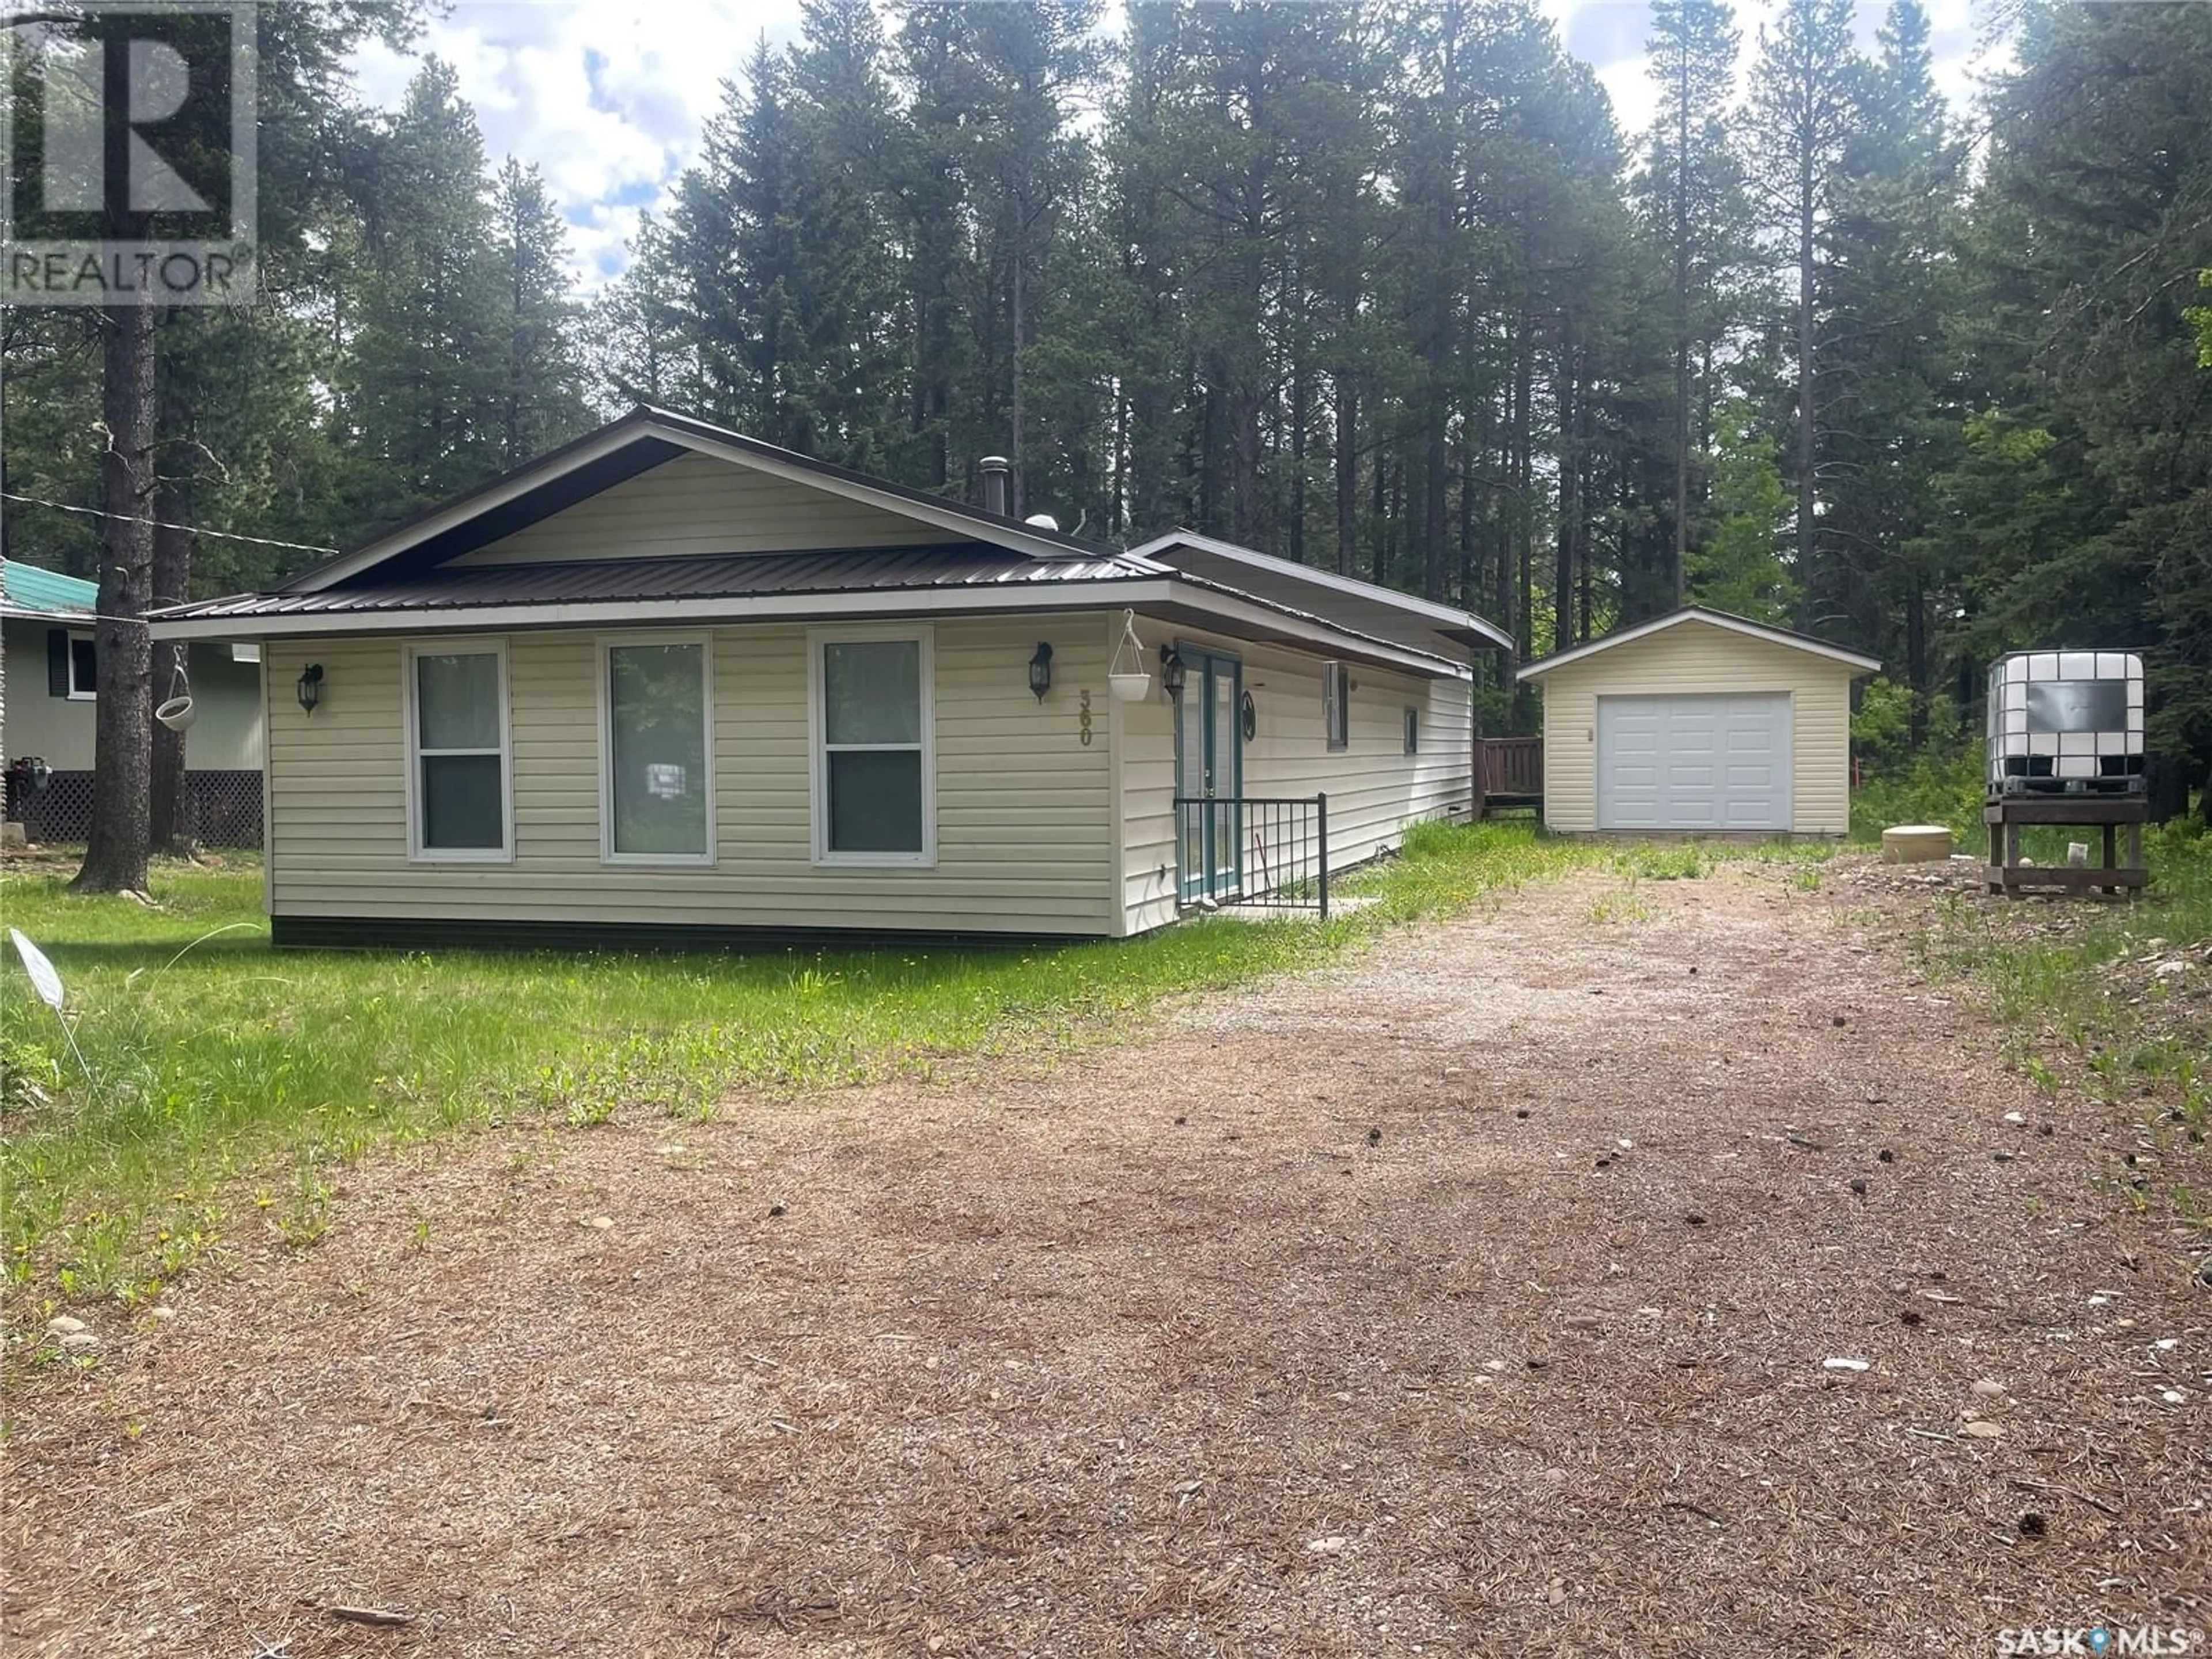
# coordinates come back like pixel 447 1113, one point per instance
pixel 1692 190
pixel 1743 566
pixel 421 413
pixel 1888 294
pixel 831 303
pixel 541 401
pixel 2084 504
pixel 1801 113
pixel 724 271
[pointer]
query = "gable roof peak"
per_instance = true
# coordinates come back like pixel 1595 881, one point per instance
pixel 1725 620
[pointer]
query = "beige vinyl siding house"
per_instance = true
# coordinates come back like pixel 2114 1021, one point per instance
pixel 1698 721
pixel 673 686
pixel 1022 841
pixel 698 504
pixel 1376 789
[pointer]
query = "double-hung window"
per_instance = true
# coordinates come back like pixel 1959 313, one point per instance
pixel 1336 704
pixel 874 762
pixel 657 744
pixel 460 804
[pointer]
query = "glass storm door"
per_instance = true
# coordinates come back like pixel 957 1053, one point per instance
pixel 1209 766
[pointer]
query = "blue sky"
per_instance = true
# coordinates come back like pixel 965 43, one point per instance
pixel 607 96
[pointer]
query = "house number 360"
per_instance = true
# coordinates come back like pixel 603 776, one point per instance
pixel 1083 717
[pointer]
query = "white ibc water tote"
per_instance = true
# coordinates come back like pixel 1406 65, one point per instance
pixel 2066 722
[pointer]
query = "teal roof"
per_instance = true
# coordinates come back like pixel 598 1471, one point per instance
pixel 45 593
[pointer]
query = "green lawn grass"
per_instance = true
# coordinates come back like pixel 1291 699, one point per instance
pixel 227 1077
pixel 2050 977
pixel 2087 1015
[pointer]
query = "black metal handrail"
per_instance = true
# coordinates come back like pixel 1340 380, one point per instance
pixel 1264 852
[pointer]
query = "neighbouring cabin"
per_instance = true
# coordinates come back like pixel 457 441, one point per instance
pixel 671 686
pixel 47 725
pixel 1699 722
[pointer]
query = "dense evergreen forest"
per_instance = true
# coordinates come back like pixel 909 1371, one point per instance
pixel 1378 287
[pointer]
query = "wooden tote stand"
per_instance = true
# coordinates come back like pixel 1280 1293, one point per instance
pixel 2005 814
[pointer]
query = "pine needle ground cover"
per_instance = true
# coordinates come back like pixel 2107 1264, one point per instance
pixel 226 1080
pixel 1705 1274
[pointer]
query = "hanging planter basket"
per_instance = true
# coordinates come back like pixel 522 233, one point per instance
pixel 179 712
pixel 1131 683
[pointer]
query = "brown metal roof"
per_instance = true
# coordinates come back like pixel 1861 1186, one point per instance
pixel 726 576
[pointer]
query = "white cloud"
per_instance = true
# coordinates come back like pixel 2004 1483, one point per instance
pixel 607 97
pixel 1609 34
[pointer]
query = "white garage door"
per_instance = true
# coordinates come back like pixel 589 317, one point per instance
pixel 1693 763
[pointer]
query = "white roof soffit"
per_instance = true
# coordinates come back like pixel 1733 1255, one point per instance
pixel 1427 614
pixel 1722 619
pixel 633 429
pixel 1169 590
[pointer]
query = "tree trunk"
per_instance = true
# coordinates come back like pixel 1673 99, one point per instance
pixel 115 851
pixel 1347 475
pixel 1683 328
pixel 1916 655
pixel 1470 448
pixel 1117 522
pixel 1563 588
pixel 1524 476
pixel 1805 398
pixel 169 816
pixel 1212 445
pixel 1501 539
pixel 1381 513
pixel 1301 403
pixel 2166 785
pixel 1432 509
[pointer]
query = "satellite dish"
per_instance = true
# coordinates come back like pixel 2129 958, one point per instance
pixel 1043 521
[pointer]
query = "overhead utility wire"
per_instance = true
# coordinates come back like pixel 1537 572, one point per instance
pixel 158 524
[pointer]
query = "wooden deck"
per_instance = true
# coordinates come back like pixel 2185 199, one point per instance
pixel 1508 775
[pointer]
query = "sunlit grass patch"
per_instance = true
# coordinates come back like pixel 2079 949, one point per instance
pixel 2115 1003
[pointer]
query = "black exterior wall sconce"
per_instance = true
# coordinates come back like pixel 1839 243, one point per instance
pixel 1041 670
pixel 310 687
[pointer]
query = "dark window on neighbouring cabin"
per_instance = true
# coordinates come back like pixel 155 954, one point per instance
pixel 84 667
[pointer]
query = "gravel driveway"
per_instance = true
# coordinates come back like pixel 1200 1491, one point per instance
pixel 1643 1269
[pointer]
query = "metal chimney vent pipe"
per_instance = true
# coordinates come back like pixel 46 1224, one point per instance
pixel 997 485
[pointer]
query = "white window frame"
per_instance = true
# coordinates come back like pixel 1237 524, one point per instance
pixel 465 646
pixel 607 645
pixel 1336 706
pixel 920 634
pixel 90 693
